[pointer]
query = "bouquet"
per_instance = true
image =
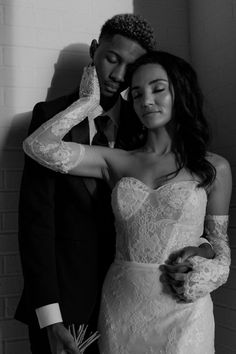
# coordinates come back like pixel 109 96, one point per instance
pixel 79 337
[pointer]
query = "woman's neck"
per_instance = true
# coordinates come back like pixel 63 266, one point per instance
pixel 158 142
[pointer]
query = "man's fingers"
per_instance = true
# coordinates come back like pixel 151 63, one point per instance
pixel 173 256
pixel 178 268
pixel 182 255
pixel 186 253
pixel 172 281
pixel 61 340
pixel 177 276
pixel 70 345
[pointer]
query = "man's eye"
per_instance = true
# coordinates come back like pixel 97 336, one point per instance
pixel 112 59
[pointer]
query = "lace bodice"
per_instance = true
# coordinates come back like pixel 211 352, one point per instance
pixel 151 224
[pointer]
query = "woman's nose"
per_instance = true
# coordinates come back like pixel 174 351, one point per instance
pixel 148 100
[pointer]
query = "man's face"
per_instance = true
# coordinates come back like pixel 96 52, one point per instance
pixel 111 59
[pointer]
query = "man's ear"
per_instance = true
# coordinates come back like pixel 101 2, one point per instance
pixel 93 48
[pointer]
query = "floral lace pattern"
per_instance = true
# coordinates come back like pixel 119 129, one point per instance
pixel 45 145
pixel 209 274
pixel 137 314
pixel 151 225
pixel 89 85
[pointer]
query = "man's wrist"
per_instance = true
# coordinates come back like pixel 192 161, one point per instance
pixel 48 315
pixel 206 251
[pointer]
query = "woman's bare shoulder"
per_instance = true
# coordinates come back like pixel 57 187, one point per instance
pixel 223 173
pixel 220 163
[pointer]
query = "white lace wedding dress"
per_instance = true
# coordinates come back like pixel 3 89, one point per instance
pixel 137 315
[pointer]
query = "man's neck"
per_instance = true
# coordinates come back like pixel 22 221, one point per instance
pixel 107 102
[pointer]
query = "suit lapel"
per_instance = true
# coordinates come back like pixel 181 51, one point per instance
pixel 80 134
pixel 122 139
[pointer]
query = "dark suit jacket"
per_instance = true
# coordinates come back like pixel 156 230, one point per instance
pixel 66 230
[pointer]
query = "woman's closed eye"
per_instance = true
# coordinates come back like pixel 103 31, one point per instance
pixel 158 88
pixel 136 95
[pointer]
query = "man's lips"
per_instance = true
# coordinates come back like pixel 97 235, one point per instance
pixel 110 86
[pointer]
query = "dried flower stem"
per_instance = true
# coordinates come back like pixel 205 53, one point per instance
pixel 79 337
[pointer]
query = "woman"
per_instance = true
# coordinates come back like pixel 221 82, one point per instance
pixel 161 194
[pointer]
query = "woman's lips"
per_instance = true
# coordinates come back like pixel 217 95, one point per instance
pixel 150 112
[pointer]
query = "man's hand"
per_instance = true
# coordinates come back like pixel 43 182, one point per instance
pixel 61 341
pixel 178 265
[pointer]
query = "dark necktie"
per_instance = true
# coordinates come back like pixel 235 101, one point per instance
pixel 100 138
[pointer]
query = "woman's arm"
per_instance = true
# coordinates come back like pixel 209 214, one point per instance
pixel 208 274
pixel 189 275
pixel 46 146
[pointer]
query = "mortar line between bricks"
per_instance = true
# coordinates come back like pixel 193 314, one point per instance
pixel 10 295
pixel 8 232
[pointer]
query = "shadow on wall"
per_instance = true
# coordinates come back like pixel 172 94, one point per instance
pixel 67 75
pixel 68 70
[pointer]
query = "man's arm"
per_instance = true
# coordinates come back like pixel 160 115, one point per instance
pixel 37 244
pixel 36 227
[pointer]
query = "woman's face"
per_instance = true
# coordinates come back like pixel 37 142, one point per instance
pixel 152 97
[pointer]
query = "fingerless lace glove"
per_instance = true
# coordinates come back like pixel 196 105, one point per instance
pixel 45 145
pixel 209 274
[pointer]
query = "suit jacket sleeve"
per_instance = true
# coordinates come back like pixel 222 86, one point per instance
pixel 36 221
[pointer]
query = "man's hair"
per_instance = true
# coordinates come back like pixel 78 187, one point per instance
pixel 130 26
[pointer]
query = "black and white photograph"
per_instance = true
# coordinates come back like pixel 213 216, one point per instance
pixel 117 170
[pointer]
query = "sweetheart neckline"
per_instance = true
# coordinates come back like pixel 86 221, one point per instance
pixel 158 188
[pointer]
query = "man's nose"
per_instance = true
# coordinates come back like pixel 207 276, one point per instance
pixel 118 74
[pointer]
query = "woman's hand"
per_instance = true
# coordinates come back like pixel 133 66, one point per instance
pixel 90 90
pixel 89 85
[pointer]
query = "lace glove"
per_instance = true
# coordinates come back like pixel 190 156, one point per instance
pixel 209 274
pixel 45 145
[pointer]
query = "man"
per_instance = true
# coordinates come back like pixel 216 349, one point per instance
pixel 66 231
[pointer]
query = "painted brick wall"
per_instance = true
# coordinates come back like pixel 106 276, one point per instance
pixel 213 53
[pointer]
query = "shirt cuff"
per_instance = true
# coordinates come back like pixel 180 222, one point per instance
pixel 48 315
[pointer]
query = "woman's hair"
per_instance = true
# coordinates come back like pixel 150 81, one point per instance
pixel 188 127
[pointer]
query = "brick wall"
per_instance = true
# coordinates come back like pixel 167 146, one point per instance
pixel 213 53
